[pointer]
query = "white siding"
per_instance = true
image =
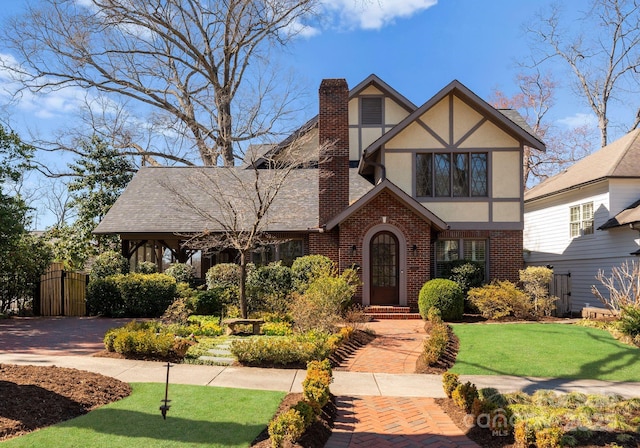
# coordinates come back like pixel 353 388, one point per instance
pixel 547 240
pixel 624 192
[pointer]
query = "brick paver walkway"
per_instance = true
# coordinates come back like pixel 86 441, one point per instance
pixel 398 422
pixel 394 422
pixel 395 350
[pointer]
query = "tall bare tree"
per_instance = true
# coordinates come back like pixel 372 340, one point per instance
pixel 242 204
pixel 202 65
pixel 602 52
pixel 534 101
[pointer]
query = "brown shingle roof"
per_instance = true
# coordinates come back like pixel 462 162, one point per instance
pixel 185 199
pixel 629 215
pixel 618 159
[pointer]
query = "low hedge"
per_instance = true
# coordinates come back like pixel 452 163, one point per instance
pixel 291 425
pixel 146 340
pixel 131 295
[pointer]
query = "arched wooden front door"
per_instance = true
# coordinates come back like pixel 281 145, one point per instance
pixel 384 262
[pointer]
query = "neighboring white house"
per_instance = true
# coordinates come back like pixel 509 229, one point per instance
pixel 587 218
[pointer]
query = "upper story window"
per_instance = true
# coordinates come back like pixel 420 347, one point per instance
pixel 451 174
pixel 581 219
pixel 371 110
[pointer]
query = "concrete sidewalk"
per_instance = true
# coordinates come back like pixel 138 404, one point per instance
pixel 290 380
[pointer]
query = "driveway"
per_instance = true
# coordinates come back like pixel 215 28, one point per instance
pixel 61 336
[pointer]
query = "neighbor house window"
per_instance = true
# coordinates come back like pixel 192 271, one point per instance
pixel 371 110
pixel 581 219
pixel 451 174
pixel 455 252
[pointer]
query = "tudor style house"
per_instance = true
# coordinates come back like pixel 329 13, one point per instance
pixel 397 190
pixel 587 218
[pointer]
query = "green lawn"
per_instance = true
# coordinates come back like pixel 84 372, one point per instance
pixel 544 350
pixel 199 417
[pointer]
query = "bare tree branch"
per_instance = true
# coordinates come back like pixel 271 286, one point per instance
pixel 202 65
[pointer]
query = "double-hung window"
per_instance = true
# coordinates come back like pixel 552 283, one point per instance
pixel 459 174
pixel 581 219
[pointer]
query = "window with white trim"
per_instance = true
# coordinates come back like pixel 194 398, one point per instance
pixel 581 219
pixel 452 253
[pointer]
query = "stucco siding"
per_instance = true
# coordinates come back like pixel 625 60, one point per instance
pixel 394 113
pixel 488 135
pixel 354 112
pixel 398 165
pixel 355 150
pixel 464 118
pixel 437 118
pixel 414 136
pixel 370 135
pixel 506 179
pixel 507 212
pixel 459 211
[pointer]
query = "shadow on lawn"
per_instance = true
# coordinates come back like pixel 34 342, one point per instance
pixel 133 424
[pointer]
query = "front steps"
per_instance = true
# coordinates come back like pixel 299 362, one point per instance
pixel 379 312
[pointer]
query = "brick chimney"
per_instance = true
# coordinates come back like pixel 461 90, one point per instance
pixel 333 133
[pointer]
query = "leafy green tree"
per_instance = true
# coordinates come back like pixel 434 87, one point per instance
pixel 23 258
pixel 100 176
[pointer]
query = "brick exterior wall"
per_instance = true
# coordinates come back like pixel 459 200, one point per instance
pixel 333 136
pixel 505 255
pixel 413 227
pixel 505 250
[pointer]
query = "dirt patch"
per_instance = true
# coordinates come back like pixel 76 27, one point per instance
pixel 33 397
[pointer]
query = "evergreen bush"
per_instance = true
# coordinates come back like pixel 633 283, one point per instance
pixel 443 294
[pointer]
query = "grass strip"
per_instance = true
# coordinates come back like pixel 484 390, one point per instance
pixel 199 416
pixel 544 350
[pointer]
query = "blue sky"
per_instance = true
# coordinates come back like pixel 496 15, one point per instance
pixel 416 46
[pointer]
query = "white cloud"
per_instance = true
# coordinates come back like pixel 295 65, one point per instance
pixel 579 119
pixel 374 14
pixel 44 105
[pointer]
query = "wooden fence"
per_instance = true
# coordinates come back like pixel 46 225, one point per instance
pixel 62 293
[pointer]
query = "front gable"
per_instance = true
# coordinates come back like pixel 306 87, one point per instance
pixel 457 156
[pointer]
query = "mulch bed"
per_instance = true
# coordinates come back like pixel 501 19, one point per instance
pixel 33 397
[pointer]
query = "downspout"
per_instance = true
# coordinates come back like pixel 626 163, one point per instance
pixel 383 169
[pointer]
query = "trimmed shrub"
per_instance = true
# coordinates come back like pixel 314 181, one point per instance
pixel 449 382
pixel 549 437
pixel 146 295
pixel 501 299
pixel 132 295
pixel 277 329
pixel 305 270
pixel 306 411
pixel 109 263
pixel 269 287
pixel 287 426
pixel 434 315
pixel 468 275
pixel 282 350
pixel 443 294
pixel 436 344
pixel 315 387
pixel 464 395
pixel 524 434
pixel 146 267
pixel 182 272
pixel 103 298
pixel 211 301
